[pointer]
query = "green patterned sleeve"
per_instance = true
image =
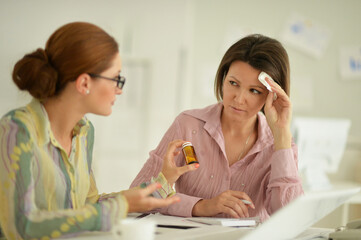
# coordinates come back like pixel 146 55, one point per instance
pixel 24 214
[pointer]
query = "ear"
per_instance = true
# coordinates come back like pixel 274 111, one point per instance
pixel 83 83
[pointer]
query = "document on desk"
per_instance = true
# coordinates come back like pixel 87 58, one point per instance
pixel 172 221
pixel 227 222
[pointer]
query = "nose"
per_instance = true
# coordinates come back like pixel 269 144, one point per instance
pixel 118 91
pixel 240 97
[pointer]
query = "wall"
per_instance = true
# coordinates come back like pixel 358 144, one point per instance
pixel 217 24
pixel 150 35
pixel 170 51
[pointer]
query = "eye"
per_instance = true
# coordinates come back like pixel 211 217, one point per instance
pixel 255 91
pixel 233 83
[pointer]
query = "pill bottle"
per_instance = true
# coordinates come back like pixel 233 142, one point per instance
pixel 189 153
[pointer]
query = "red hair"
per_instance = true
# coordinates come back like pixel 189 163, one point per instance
pixel 73 49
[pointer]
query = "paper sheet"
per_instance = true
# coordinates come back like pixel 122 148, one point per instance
pixel 306 35
pixel 321 141
pixel 350 62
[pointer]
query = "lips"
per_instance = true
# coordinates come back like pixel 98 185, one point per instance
pixel 237 109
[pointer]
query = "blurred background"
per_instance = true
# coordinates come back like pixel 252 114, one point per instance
pixel 171 51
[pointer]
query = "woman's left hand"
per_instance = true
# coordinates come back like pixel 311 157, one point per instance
pixel 139 199
pixel 279 114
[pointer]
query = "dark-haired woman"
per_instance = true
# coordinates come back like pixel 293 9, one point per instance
pixel 47 187
pixel 247 159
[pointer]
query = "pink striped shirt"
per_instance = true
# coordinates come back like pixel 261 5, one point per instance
pixel 269 177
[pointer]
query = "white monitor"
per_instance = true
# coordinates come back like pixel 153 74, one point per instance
pixel 321 144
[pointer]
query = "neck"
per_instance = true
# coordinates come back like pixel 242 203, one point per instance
pixel 238 128
pixel 63 115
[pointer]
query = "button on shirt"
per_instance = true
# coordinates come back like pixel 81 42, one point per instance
pixel 269 177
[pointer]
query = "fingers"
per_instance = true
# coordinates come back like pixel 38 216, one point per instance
pixel 239 209
pixel 230 202
pixel 150 189
pixel 277 89
pixel 242 195
pixel 172 146
pixel 229 211
pixel 233 208
pixel 188 168
pixel 176 153
pixel 269 100
pixel 139 200
pixel 238 205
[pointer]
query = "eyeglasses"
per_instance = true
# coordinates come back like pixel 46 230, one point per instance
pixel 120 79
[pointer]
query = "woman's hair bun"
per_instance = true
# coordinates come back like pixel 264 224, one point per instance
pixel 35 74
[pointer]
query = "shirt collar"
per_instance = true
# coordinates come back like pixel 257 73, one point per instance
pixel 211 115
pixel 42 123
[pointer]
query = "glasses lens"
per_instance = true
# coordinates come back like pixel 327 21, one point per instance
pixel 121 82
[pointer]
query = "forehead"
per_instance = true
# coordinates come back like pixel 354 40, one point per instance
pixel 243 71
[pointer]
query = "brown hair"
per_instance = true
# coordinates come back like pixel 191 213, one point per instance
pixel 73 49
pixel 262 53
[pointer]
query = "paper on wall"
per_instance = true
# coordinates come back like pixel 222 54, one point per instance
pixel 321 141
pixel 321 144
pixel 306 35
pixel 350 62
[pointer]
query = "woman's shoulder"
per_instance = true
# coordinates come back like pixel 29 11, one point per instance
pixel 17 121
pixel 16 115
pixel 202 114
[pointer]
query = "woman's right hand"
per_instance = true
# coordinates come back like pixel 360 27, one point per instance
pixel 140 200
pixel 229 202
pixel 170 171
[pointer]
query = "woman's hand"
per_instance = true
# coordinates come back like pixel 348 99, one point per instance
pixel 229 202
pixel 140 200
pixel 170 170
pixel 279 114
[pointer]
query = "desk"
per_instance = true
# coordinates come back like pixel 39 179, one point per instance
pixel 201 232
pixel 356 199
pixel 211 234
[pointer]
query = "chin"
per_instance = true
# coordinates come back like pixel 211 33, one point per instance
pixel 108 113
pixel 104 113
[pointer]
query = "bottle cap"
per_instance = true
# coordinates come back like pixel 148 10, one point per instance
pixel 186 144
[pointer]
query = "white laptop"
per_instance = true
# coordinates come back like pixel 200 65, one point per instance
pixel 286 223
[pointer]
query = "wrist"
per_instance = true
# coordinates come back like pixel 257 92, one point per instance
pixel 282 139
pixel 167 177
pixel 197 208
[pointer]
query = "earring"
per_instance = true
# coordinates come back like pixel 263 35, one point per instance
pixel 87 92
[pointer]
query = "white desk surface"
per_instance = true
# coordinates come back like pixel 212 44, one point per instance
pixel 181 234
pixel 204 232
pixel 200 231
pixel 356 199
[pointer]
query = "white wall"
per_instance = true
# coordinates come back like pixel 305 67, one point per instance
pixel 150 35
pixel 215 21
pixel 175 48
